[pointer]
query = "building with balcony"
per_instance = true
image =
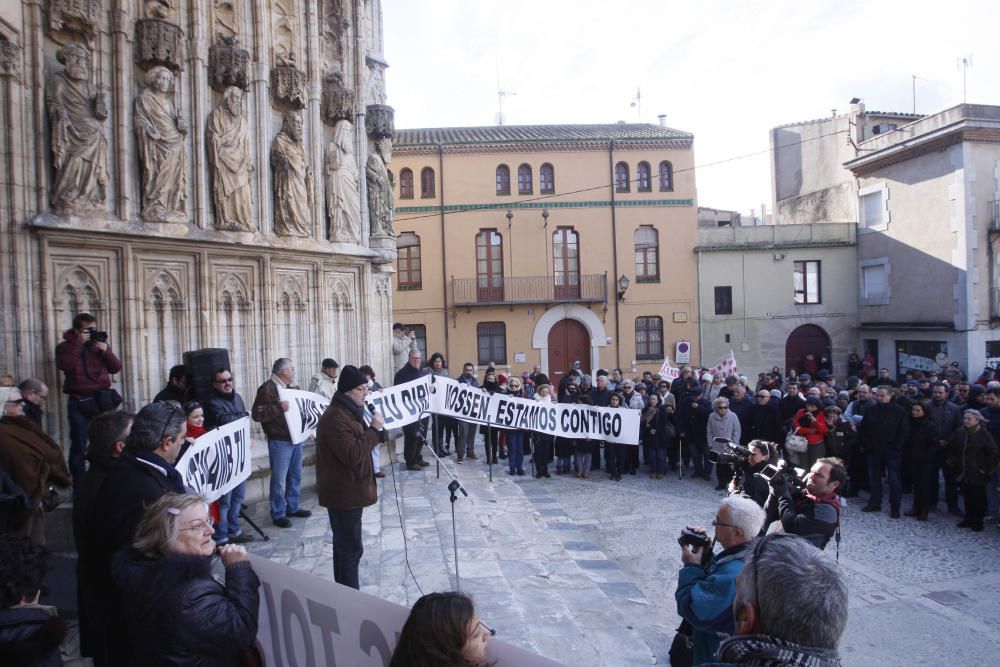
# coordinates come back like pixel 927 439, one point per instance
pixel 547 244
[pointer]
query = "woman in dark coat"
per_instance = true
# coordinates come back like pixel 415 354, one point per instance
pixel 178 614
pixel 973 457
pixel 653 439
pixel 922 448
pixel 491 436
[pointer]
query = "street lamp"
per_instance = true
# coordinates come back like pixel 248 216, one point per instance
pixel 622 287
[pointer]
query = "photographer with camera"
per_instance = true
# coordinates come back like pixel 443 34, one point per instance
pixel 808 507
pixel 706 585
pixel 749 484
pixel 87 362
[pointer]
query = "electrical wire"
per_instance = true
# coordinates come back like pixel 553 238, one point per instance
pixel 402 529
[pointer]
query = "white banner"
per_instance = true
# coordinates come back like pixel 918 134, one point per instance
pixel 725 367
pixel 668 372
pixel 217 461
pixel 307 620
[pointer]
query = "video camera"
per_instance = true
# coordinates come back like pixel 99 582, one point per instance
pixel 725 451
pixel 696 539
pixel 794 477
pixel 97 336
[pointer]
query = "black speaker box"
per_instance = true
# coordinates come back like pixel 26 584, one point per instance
pixel 200 366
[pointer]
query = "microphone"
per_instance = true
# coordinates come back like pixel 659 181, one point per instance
pixel 371 411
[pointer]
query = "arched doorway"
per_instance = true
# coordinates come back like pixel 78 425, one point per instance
pixel 568 342
pixel 807 339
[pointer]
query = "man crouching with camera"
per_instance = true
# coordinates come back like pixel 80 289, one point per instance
pixel 706 585
pixel 808 507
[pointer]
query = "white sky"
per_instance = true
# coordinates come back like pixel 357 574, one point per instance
pixel 726 71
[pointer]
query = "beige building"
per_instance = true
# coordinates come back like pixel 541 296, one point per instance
pixel 512 241
pixel 773 294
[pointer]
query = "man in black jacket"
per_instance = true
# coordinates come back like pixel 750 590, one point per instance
pixel 412 433
pixel 177 386
pixel 765 419
pixel 946 418
pixel 791 404
pixel 883 432
pixel 223 407
pixel 812 512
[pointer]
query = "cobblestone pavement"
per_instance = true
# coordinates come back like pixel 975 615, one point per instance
pixel 583 571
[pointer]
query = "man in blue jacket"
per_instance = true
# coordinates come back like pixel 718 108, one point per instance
pixel 705 595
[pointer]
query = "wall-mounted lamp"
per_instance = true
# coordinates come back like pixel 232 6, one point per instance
pixel 622 287
pixel 545 217
pixel 510 217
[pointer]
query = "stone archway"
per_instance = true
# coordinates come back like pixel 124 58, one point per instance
pixel 806 339
pixel 590 322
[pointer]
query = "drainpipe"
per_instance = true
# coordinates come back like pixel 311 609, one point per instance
pixel 698 303
pixel 614 257
pixel 444 255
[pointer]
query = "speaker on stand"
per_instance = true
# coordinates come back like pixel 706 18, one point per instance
pixel 201 365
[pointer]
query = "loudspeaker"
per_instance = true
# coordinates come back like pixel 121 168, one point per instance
pixel 201 365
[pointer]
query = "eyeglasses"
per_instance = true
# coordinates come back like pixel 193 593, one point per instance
pixel 716 523
pixel 228 380
pixel 200 526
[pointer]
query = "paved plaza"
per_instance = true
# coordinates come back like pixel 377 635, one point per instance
pixel 584 571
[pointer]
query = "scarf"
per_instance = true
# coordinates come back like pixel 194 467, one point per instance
pixel 765 651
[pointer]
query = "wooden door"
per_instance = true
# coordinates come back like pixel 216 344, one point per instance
pixel 568 342
pixel 489 266
pixel 807 339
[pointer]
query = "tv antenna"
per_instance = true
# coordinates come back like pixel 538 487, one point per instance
pixel 964 63
pixel 637 105
pixel 915 79
pixel 501 94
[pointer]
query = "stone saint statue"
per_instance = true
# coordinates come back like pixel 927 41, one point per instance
pixel 380 203
pixel 79 148
pixel 162 154
pixel 229 155
pixel 343 198
pixel 292 179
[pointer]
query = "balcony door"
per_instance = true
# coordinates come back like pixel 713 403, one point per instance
pixel 566 263
pixel 489 266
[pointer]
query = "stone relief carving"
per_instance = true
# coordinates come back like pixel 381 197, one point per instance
pixel 380 202
pixel 165 291
pixel 228 65
pixel 343 197
pixel 335 25
pixel 379 121
pixel 160 134
pixel 158 40
pixel 292 179
pixel 285 32
pixel 229 155
pixel 78 291
pixel 337 102
pixel 288 84
pixel 232 293
pixel 225 18
pixel 375 82
pixel 77 111
pixel 83 16
pixel 10 59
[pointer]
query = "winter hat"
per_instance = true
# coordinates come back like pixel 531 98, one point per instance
pixel 706 377
pixel 975 413
pixel 502 379
pixel 330 363
pixel 812 400
pixel 776 393
pixel 844 394
pixel 350 378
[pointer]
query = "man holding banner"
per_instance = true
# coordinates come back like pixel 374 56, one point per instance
pixel 345 479
pixel 224 407
pixel 412 443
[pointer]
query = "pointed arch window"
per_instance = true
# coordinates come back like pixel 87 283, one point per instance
pixel 427 183
pixel 546 179
pixel 503 180
pixel 643 176
pixel 524 185
pixel 666 177
pixel 406 184
pixel 621 177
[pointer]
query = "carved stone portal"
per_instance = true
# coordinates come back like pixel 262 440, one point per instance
pixel 379 121
pixel 83 16
pixel 292 179
pixel 228 65
pixel 288 85
pixel 338 102
pixel 229 154
pixel 158 43
pixel 162 154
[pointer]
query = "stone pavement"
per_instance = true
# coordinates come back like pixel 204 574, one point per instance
pixel 584 571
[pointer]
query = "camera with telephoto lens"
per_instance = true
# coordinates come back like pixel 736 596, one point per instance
pixel 727 452
pixel 97 336
pixel 696 539
pixel 794 477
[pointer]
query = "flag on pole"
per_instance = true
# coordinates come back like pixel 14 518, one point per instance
pixel 725 367
pixel 668 371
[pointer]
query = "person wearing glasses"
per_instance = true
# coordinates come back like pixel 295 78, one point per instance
pixel 35 393
pixel 224 406
pixel 723 423
pixel 345 479
pixel 785 580
pixel 705 593
pixel 812 512
pixel 176 611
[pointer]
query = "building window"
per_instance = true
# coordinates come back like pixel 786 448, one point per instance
pixel 421 338
pixel 427 183
pixel 547 179
pixel 492 337
pixel 566 263
pixel 874 282
pixel 642 175
pixel 408 261
pixel 873 211
pixel 503 180
pixel 524 179
pixel 406 184
pixel 647 265
pixel 649 338
pixel 724 300
pixel 621 177
pixel 666 177
pixel 489 266
pixel 807 281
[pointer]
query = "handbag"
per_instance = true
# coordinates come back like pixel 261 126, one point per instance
pixel 796 443
pixel 53 495
pixel 681 651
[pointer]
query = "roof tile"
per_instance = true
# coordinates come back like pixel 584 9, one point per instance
pixel 530 133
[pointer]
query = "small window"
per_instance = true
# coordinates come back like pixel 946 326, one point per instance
pixel 724 300
pixel 492 338
pixel 647 243
pixel 408 261
pixel 421 338
pixel 873 210
pixel 524 180
pixel 547 179
pixel 649 338
pixel 807 282
pixel 643 177
pixel 621 177
pixel 427 183
pixel 875 282
pixel 406 184
pixel 503 180
pixel 666 177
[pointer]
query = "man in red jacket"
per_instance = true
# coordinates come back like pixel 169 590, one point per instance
pixel 87 362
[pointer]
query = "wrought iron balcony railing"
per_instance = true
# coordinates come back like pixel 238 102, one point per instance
pixel 588 288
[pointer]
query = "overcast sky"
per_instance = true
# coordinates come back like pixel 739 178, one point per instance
pixel 725 71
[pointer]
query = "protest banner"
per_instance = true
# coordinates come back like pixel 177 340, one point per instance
pixel 217 461
pixel 725 367
pixel 668 371
pixel 307 620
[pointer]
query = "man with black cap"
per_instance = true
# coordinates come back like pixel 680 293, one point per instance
pixel 345 479
pixel 324 383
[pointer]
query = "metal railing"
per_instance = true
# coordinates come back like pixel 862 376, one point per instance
pixel 592 288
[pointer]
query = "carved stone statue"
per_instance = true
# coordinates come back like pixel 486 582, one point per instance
pixel 162 153
pixel 292 179
pixel 79 147
pixel 229 154
pixel 343 197
pixel 380 203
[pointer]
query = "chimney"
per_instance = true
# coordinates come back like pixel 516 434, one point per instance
pixel 663 119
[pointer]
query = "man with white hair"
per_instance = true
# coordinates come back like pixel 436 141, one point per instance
pixel 705 593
